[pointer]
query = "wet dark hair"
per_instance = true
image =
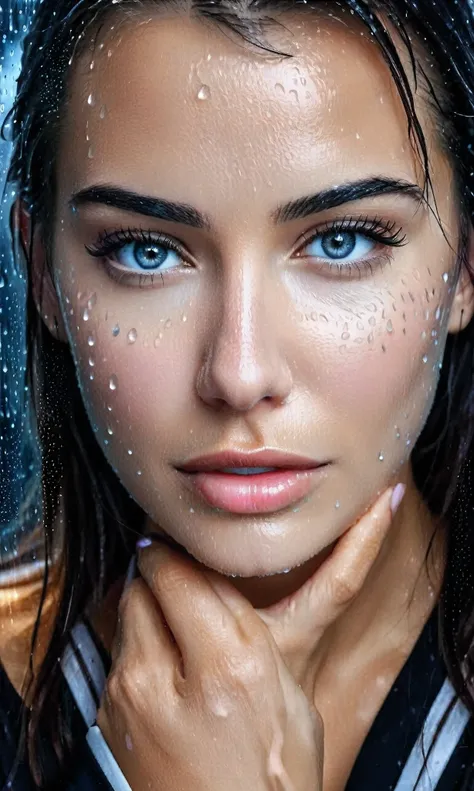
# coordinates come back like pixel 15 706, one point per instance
pixel 101 520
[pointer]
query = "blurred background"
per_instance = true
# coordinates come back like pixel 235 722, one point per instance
pixel 20 503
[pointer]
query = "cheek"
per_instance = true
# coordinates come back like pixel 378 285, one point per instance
pixel 374 368
pixel 131 382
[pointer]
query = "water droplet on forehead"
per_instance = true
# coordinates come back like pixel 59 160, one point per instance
pixel 204 92
pixel 132 335
pixel 113 382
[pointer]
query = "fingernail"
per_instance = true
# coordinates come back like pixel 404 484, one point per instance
pixel 397 497
pixel 144 542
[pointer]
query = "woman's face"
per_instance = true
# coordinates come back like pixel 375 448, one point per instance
pixel 299 301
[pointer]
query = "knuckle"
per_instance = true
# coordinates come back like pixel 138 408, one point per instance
pixel 126 683
pixel 345 588
pixel 247 670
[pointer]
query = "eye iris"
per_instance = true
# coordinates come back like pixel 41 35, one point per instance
pixel 338 244
pixel 149 256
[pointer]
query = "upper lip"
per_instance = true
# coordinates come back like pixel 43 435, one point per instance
pixel 260 458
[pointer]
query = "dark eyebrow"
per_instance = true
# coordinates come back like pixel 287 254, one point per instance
pixel 345 193
pixel 127 200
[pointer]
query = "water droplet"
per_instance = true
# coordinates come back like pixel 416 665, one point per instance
pixel 91 362
pixel 91 100
pixel 337 504
pixel 130 452
pixel 158 340
pixel 115 330
pixel 167 324
pixel 184 317
pixel 445 277
pixel 132 336
pixel 191 510
pixel 85 315
pixel 92 301
pixel 110 431
pixel 91 341
pixel 90 153
pixel 381 456
pixel 102 112
pixel 424 359
pixel 2 281
pixel 113 382
pixel 345 336
pixel 389 326
pixel 397 432
pixel 204 92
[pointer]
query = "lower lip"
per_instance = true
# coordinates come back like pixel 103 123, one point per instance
pixel 255 494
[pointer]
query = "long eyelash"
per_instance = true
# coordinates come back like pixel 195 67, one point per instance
pixel 108 243
pixel 376 228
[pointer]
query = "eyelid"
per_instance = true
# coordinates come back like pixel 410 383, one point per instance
pixel 375 228
pixel 110 242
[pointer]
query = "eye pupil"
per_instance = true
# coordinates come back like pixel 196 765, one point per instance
pixel 149 256
pixel 338 244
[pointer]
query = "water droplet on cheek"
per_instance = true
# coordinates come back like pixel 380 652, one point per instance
pixel 203 93
pixel 132 336
pixel 113 382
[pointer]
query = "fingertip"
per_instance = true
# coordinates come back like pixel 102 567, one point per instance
pixel 397 497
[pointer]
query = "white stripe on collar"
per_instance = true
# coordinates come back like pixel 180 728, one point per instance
pixel 444 746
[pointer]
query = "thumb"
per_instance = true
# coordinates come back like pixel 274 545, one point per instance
pixel 336 583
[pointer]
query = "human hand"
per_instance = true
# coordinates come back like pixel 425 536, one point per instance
pixel 198 696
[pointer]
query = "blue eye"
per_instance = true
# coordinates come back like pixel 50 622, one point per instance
pixel 146 256
pixel 338 245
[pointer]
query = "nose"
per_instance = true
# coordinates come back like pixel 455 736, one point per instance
pixel 244 361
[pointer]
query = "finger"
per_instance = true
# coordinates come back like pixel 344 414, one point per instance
pixel 196 609
pixel 143 638
pixel 338 580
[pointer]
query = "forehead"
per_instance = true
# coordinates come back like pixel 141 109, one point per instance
pixel 173 98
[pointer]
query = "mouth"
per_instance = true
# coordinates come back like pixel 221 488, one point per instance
pixel 262 482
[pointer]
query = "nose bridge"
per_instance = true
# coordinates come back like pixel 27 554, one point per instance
pixel 244 360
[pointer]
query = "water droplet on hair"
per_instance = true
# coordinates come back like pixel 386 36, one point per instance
pixel 91 341
pixel 115 330
pixel 132 335
pixel 113 382
pixel 204 92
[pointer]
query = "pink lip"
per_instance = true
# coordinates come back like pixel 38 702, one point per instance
pixel 262 458
pixel 254 494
